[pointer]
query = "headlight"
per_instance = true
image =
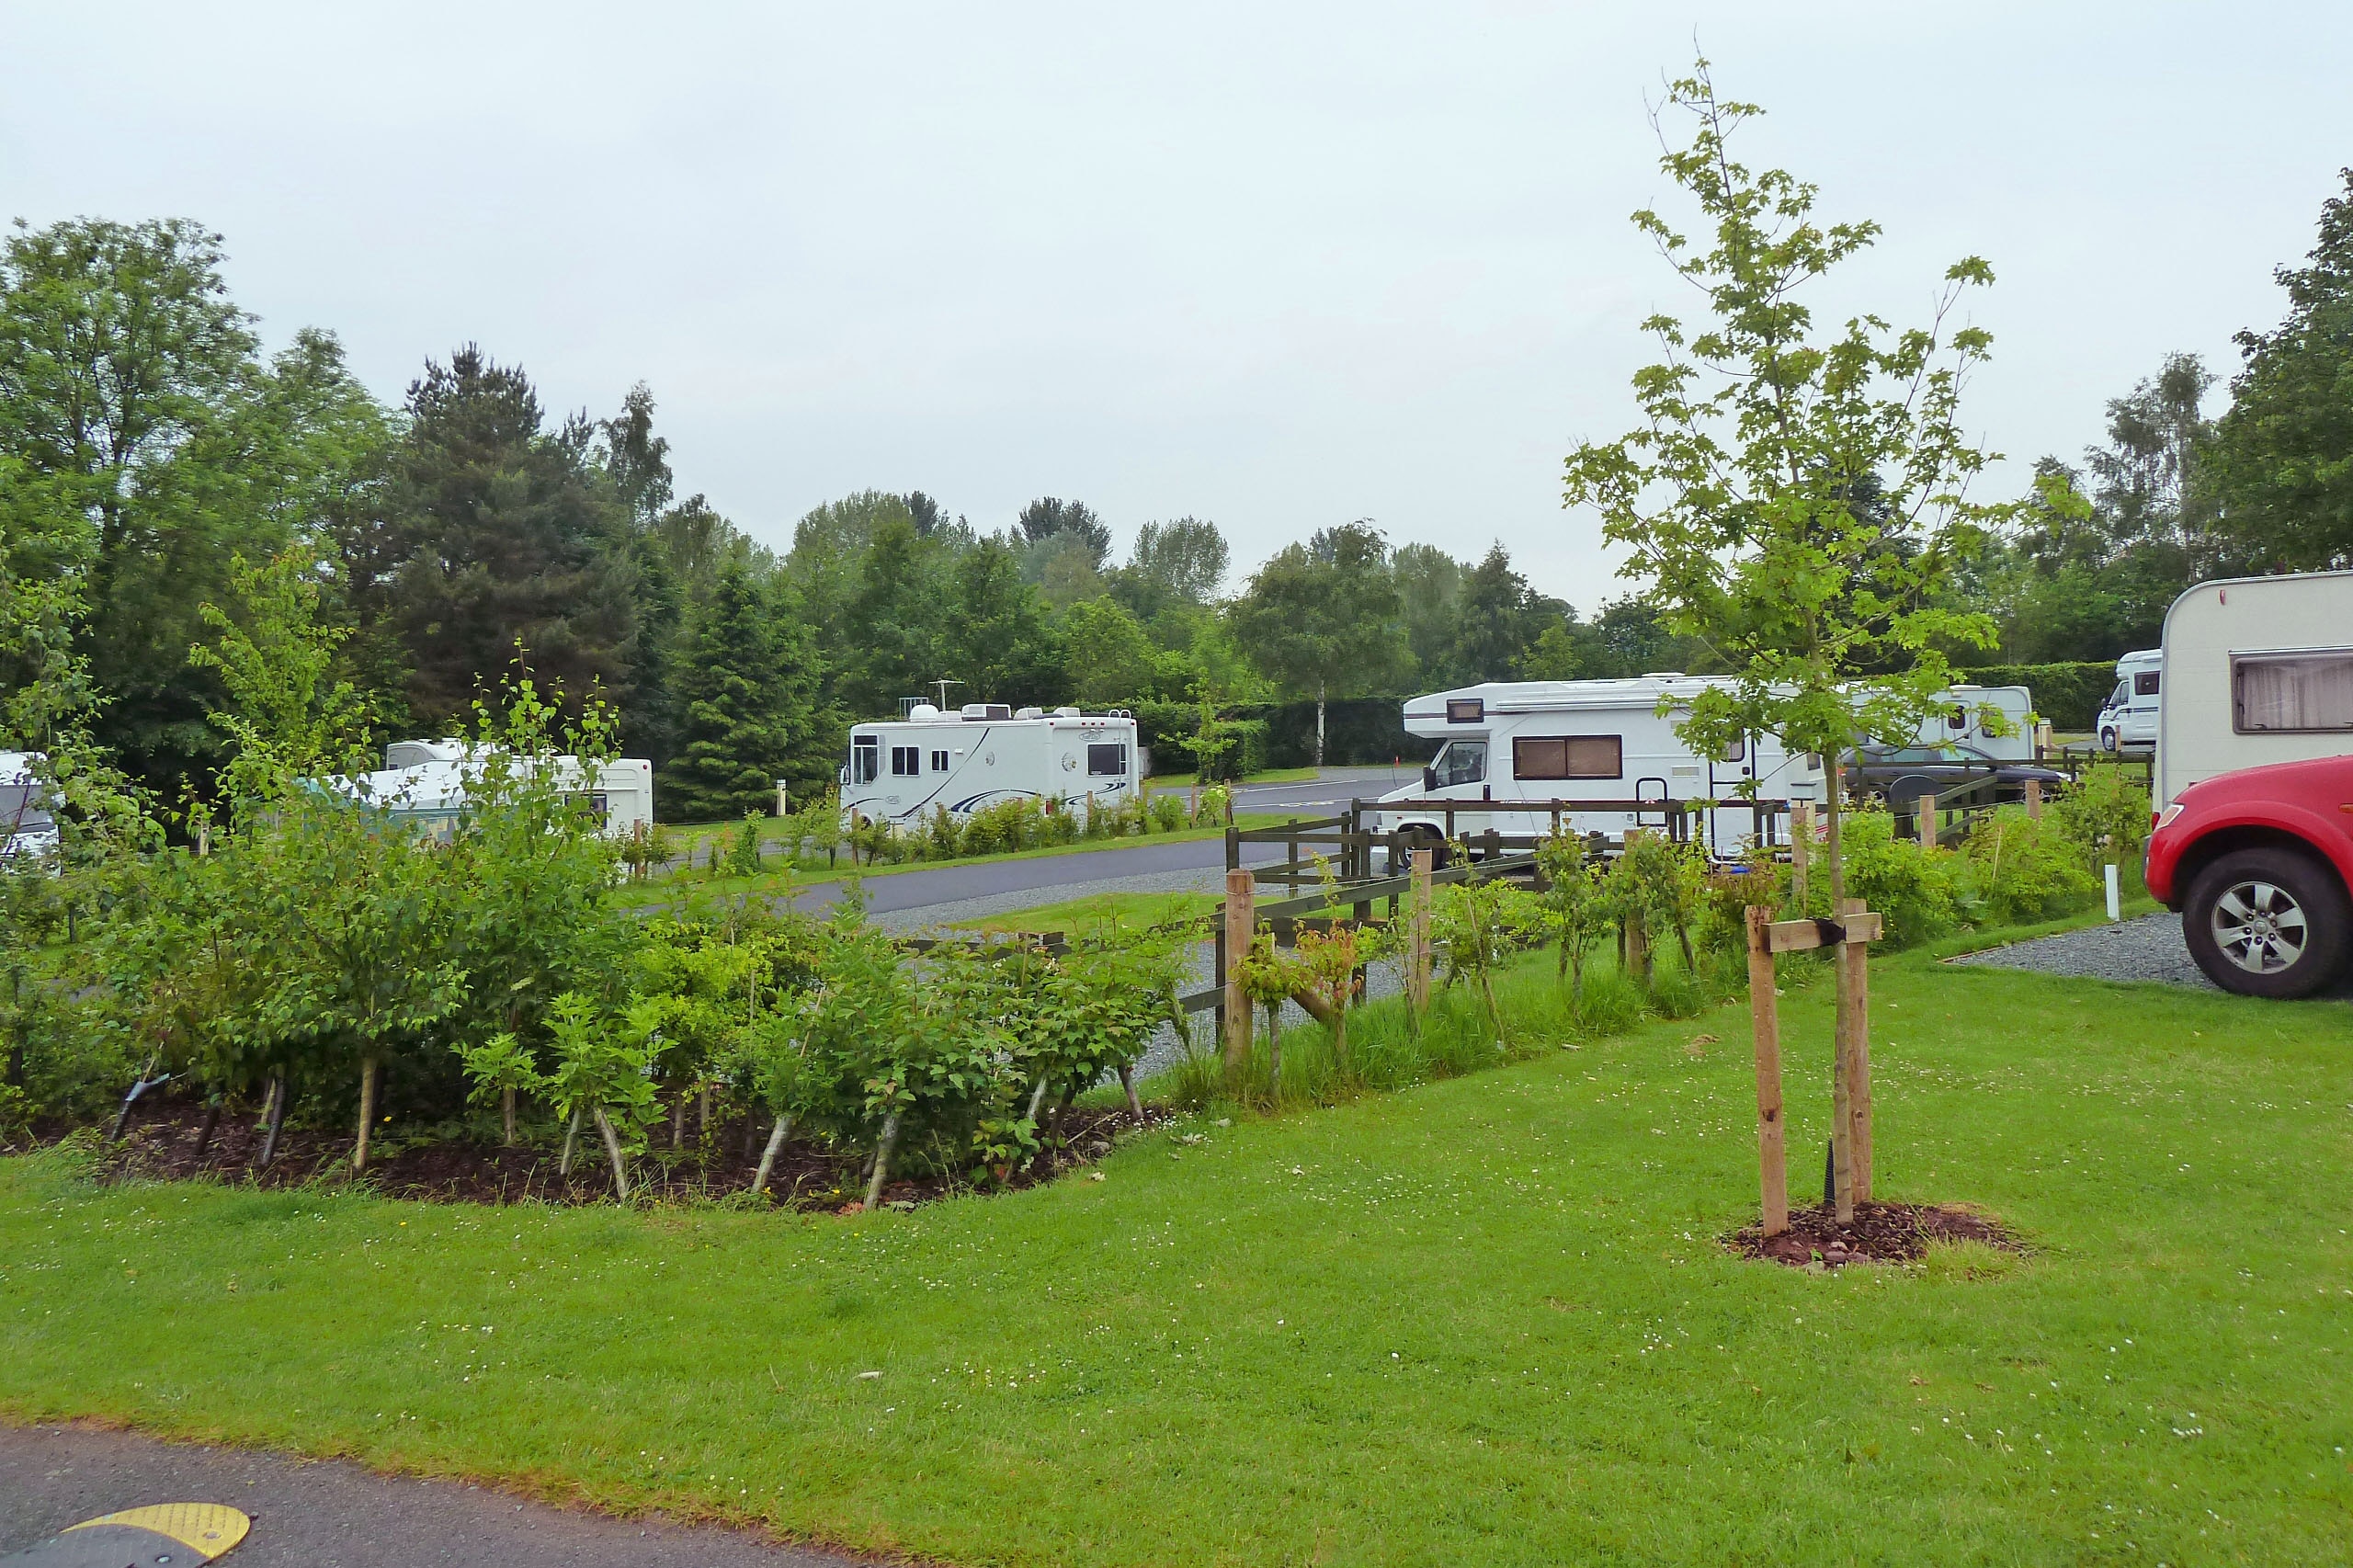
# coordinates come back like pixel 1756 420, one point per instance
pixel 2164 818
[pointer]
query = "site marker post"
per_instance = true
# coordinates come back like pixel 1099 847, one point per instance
pixel 1241 929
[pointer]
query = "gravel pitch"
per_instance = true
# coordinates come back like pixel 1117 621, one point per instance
pixel 2147 948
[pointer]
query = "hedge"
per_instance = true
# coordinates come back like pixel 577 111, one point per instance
pixel 2069 695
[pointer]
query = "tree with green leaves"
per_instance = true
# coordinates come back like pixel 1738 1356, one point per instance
pixel 2282 456
pixel 1323 618
pixel 749 682
pixel 291 712
pixel 1736 499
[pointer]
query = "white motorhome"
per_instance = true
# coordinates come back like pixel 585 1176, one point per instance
pixel 424 783
pixel 2131 716
pixel 899 770
pixel 26 826
pixel 1965 720
pixel 1584 740
pixel 2256 670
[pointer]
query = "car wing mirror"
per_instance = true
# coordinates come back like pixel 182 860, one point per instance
pixel 1429 780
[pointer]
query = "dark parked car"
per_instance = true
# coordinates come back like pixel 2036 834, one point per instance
pixel 1901 775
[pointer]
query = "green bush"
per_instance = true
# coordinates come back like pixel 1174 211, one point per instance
pixel 2105 814
pixel 1919 894
pixel 2023 871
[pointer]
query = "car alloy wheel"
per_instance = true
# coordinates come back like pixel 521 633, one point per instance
pixel 2259 927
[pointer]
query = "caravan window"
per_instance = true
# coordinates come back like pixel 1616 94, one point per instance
pixel 940 762
pixel 905 761
pixel 2292 693
pixel 1568 756
pixel 865 758
pixel 1107 760
pixel 1462 762
pixel 2144 682
pixel 1736 751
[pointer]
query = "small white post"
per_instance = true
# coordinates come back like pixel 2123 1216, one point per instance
pixel 2115 908
pixel 783 798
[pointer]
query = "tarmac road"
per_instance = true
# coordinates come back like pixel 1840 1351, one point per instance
pixel 327 1514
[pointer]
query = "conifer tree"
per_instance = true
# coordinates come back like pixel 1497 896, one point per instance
pixel 748 685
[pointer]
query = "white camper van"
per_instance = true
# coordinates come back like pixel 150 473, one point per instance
pixel 2131 713
pixel 26 826
pixel 423 783
pixel 1963 720
pixel 2256 670
pixel 1582 740
pixel 986 752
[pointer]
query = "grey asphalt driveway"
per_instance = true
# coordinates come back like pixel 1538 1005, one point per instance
pixel 326 1514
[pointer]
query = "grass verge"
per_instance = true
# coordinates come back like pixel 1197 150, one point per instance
pixel 1485 1319
pixel 1080 916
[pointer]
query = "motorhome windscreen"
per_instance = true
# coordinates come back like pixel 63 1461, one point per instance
pixel 865 758
pixel 1106 759
pixel 2303 693
pixel 1568 756
pixel 1462 762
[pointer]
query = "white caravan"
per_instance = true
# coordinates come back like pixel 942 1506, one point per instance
pixel 424 783
pixel 1584 740
pixel 2130 715
pixel 1963 720
pixel 2257 670
pixel 899 770
pixel 26 826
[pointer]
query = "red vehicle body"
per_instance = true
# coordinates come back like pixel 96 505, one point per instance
pixel 2258 864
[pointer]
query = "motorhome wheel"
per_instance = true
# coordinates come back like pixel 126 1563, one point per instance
pixel 2268 922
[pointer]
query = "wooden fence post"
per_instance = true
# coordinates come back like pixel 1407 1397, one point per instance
pixel 1927 821
pixel 1417 964
pixel 2034 800
pixel 1241 930
pixel 1764 1019
pixel 1856 976
pixel 1800 847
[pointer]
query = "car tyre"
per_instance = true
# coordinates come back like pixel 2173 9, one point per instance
pixel 2268 922
pixel 1401 860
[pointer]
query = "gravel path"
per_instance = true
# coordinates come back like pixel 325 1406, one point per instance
pixel 2147 948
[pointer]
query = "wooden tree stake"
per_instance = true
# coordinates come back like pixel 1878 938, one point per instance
pixel 2034 800
pixel 1765 1018
pixel 1800 847
pixel 1241 929
pixel 1417 969
pixel 1858 980
pixel 1927 821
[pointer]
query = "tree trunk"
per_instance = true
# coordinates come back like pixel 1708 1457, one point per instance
pixel 768 1159
pixel 612 1151
pixel 1319 723
pixel 1274 1053
pixel 1128 1082
pixel 1842 1153
pixel 571 1144
pixel 277 1119
pixel 882 1162
pixel 212 1123
pixel 369 1068
pixel 507 1107
pixel 679 1122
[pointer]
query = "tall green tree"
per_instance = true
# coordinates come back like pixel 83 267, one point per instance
pixel 1499 620
pixel 998 640
pixel 750 684
pixel 1323 618
pixel 505 537
pixel 2282 456
pixel 1737 497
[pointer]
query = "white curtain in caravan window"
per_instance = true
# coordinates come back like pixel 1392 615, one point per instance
pixel 2295 691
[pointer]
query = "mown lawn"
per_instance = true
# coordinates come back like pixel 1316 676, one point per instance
pixel 1081 916
pixel 1485 1320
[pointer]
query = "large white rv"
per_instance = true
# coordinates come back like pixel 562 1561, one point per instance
pixel 899 770
pixel 1584 740
pixel 2130 715
pixel 2256 670
pixel 1967 718
pixel 425 784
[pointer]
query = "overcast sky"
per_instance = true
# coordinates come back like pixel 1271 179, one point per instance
pixel 1277 266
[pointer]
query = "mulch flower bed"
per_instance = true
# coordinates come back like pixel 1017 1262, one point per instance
pixel 1882 1232
pixel 159 1143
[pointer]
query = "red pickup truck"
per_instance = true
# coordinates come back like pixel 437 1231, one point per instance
pixel 2257 863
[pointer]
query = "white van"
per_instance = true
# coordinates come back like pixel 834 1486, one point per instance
pixel 2131 716
pixel 899 770
pixel 1584 740
pixel 2257 670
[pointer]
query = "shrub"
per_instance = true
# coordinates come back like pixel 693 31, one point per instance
pixel 2026 871
pixel 1917 893
pixel 1166 811
pixel 2104 814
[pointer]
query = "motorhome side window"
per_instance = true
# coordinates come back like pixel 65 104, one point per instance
pixel 940 762
pixel 1462 762
pixel 2292 693
pixel 1107 760
pixel 905 761
pixel 1567 756
pixel 2144 682
pixel 865 759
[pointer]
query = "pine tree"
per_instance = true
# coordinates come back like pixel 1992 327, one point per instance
pixel 748 715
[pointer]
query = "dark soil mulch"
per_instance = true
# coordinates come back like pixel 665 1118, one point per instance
pixel 1882 1232
pixel 160 1144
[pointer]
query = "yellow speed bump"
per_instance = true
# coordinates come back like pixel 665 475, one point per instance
pixel 209 1527
pixel 169 1534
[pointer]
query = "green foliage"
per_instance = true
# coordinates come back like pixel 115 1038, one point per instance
pixel 1575 911
pixel 1919 893
pixel 2069 695
pixel 2027 870
pixel 2105 814
pixel 748 691
pixel 1323 618
pixel 290 713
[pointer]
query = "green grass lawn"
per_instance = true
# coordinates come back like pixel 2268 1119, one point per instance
pixel 1484 1320
pixel 1080 915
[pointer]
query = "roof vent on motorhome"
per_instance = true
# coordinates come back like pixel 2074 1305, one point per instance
pixel 1028 713
pixel 922 713
pixel 1066 713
